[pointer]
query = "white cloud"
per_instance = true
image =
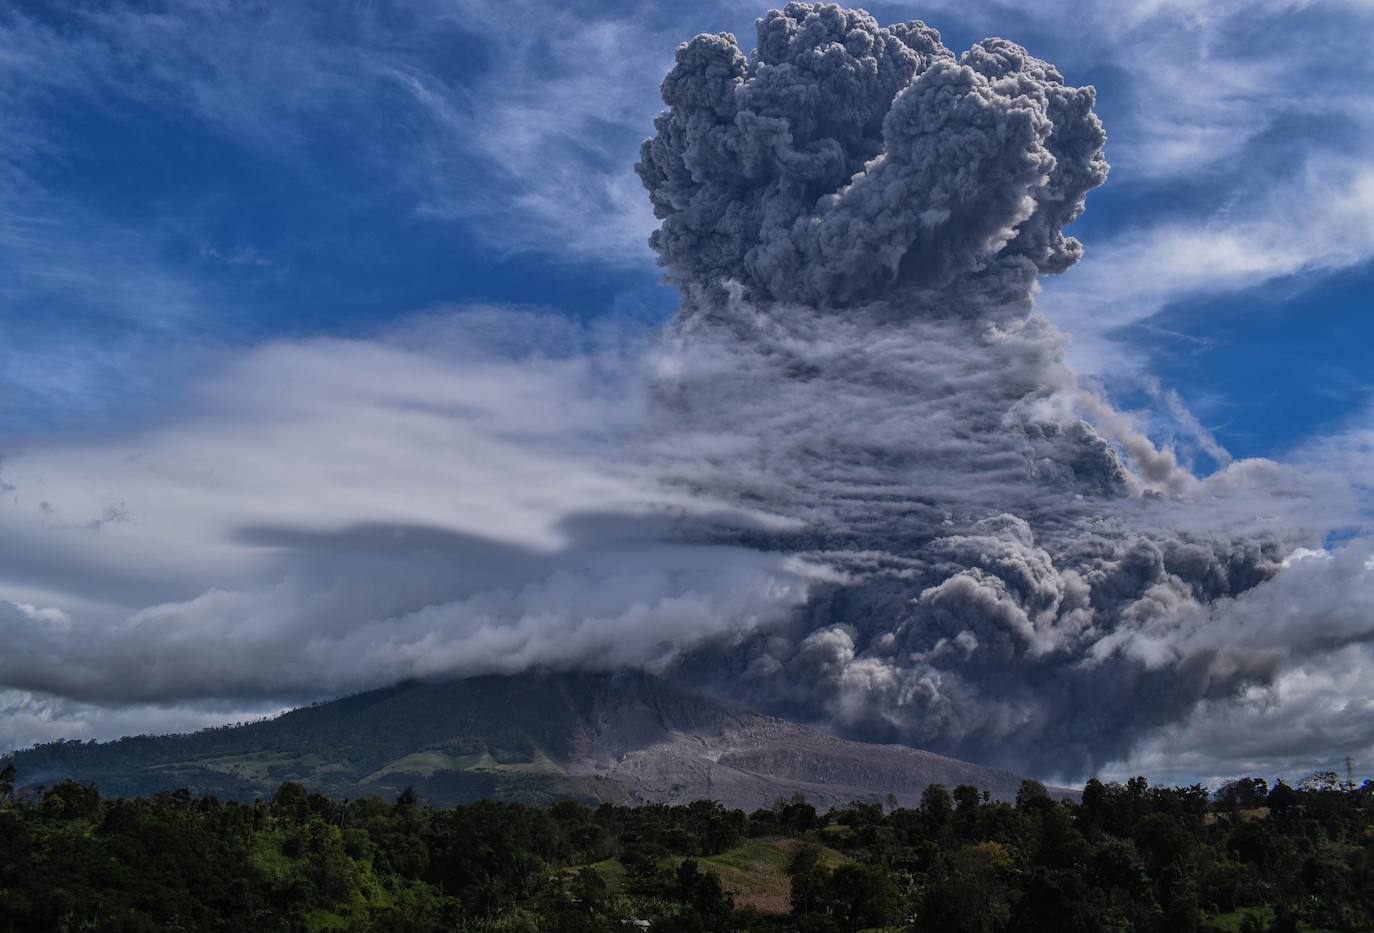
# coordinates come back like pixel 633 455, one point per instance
pixel 1320 222
pixel 559 119
pixel 29 718
pixel 303 433
pixel 1308 720
pixel 328 515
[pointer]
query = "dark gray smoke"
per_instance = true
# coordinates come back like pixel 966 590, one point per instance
pixel 842 162
pixel 856 218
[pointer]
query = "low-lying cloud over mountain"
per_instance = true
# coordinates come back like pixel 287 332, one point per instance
pixel 854 481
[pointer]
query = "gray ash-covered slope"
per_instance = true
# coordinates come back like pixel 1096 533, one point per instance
pixel 621 738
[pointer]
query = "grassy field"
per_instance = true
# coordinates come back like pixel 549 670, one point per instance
pixel 755 873
pixel 262 766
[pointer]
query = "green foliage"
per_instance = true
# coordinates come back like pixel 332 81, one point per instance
pixel 1125 858
pixel 6 783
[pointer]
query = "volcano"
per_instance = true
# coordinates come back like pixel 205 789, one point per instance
pixel 624 738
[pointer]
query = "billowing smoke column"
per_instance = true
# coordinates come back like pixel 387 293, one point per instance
pixel 843 162
pixel 856 218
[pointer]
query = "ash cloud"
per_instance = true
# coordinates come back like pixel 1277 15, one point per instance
pixel 854 481
pixel 856 218
pixel 843 162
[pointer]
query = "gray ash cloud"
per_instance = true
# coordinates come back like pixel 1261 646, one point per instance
pixel 856 219
pixel 842 162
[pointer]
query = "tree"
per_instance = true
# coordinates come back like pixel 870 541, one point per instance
pixel 804 858
pixel 808 895
pixel 852 897
pixel 7 783
pixel 1032 795
pixel 1321 781
pixel 967 798
pixel 1058 900
pixel 1093 804
pixel 937 808
pixel 797 815
pixel 1163 841
pixel 1141 858
pixel 1243 794
pixel 862 896
pixel 706 895
pixel 974 895
pixel 641 861
pixel 1282 798
pixel 1059 844
pixel 70 800
pixel 291 802
pixel 966 802
pixel 590 889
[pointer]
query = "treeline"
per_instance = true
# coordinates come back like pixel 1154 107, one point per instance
pixel 1123 857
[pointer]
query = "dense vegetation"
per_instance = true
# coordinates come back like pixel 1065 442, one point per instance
pixel 1125 857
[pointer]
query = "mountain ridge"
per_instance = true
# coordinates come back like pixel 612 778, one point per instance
pixel 623 737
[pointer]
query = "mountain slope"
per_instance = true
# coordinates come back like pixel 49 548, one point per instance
pixel 620 738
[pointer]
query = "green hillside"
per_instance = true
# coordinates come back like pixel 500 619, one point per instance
pixel 486 737
pixel 534 738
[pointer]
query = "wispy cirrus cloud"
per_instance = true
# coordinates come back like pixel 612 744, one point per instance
pixel 461 108
pixel 116 251
pixel 1317 223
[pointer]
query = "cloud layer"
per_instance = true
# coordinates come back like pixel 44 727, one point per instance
pixel 458 511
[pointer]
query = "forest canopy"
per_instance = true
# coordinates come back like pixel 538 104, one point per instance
pixel 1128 857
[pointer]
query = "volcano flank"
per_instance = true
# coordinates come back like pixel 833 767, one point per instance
pixel 616 738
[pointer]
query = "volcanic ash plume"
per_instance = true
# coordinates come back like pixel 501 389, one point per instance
pixel 843 163
pixel 856 219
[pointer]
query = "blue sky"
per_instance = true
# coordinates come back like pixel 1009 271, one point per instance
pixel 188 189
